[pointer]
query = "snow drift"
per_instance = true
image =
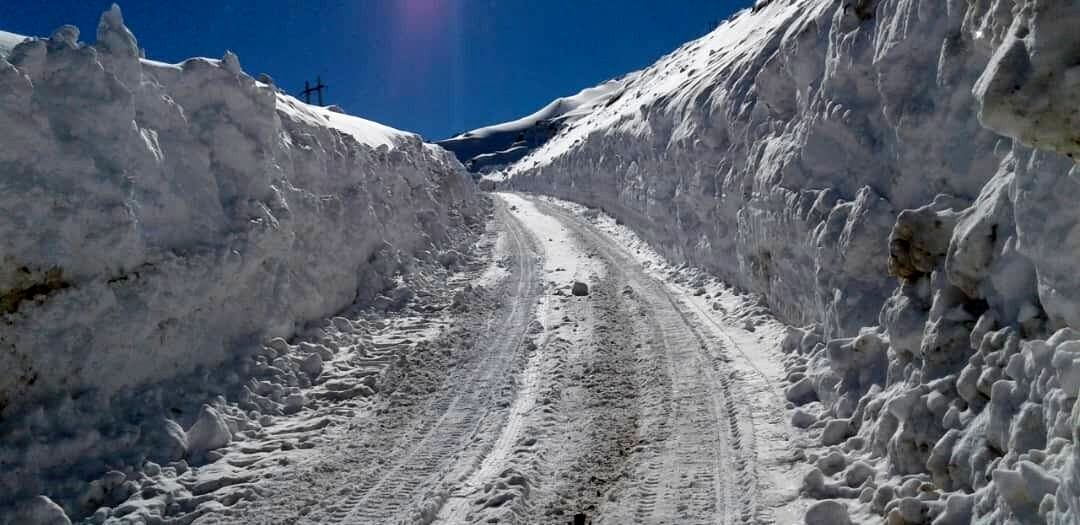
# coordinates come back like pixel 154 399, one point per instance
pixel 493 147
pixel 157 218
pixel 896 176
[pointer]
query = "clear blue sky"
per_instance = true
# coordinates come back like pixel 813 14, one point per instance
pixel 436 67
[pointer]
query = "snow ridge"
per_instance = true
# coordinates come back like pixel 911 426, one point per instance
pixel 157 218
pixel 497 146
pixel 894 176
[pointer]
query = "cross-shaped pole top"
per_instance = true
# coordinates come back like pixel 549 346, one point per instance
pixel 318 89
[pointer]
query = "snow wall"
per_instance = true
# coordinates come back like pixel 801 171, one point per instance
pixel 158 217
pixel 896 176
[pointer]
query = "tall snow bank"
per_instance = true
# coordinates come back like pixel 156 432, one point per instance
pixel 895 176
pixel 157 216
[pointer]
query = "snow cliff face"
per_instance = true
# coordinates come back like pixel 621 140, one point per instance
pixel 156 217
pixel 896 176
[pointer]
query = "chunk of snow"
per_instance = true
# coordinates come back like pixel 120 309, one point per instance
pixel 580 288
pixel 209 432
pixel 828 512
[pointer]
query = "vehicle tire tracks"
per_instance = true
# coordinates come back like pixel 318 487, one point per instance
pixel 697 467
pixel 406 488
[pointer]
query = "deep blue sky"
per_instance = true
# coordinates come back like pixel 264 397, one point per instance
pixel 437 67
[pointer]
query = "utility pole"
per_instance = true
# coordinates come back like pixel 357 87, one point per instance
pixel 317 89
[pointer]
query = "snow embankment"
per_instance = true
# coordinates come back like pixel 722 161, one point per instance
pixel 157 218
pixel 895 177
pixel 497 146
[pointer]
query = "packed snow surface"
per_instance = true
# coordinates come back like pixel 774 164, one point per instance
pixel 161 220
pixel 896 178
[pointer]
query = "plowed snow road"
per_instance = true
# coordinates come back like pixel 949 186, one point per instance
pixel 623 405
pixel 690 463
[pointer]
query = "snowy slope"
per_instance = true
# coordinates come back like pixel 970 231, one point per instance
pixel 492 147
pixel 893 175
pixel 160 218
pixel 9 41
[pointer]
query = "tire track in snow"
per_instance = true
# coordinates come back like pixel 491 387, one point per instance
pixel 405 488
pixel 698 470
pixel 574 420
pixel 457 506
pixel 596 403
pixel 458 503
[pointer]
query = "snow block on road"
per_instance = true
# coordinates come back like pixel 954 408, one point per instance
pixel 580 289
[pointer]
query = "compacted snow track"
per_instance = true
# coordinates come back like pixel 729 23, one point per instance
pixel 453 436
pixel 692 466
pixel 626 409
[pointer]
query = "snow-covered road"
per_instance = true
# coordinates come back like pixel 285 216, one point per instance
pixel 631 407
pixel 456 430
pixel 684 467
pixel 648 427
pixel 640 402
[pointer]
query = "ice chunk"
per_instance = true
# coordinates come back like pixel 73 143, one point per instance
pixel 836 431
pixel 209 432
pixel 828 512
pixel 580 288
